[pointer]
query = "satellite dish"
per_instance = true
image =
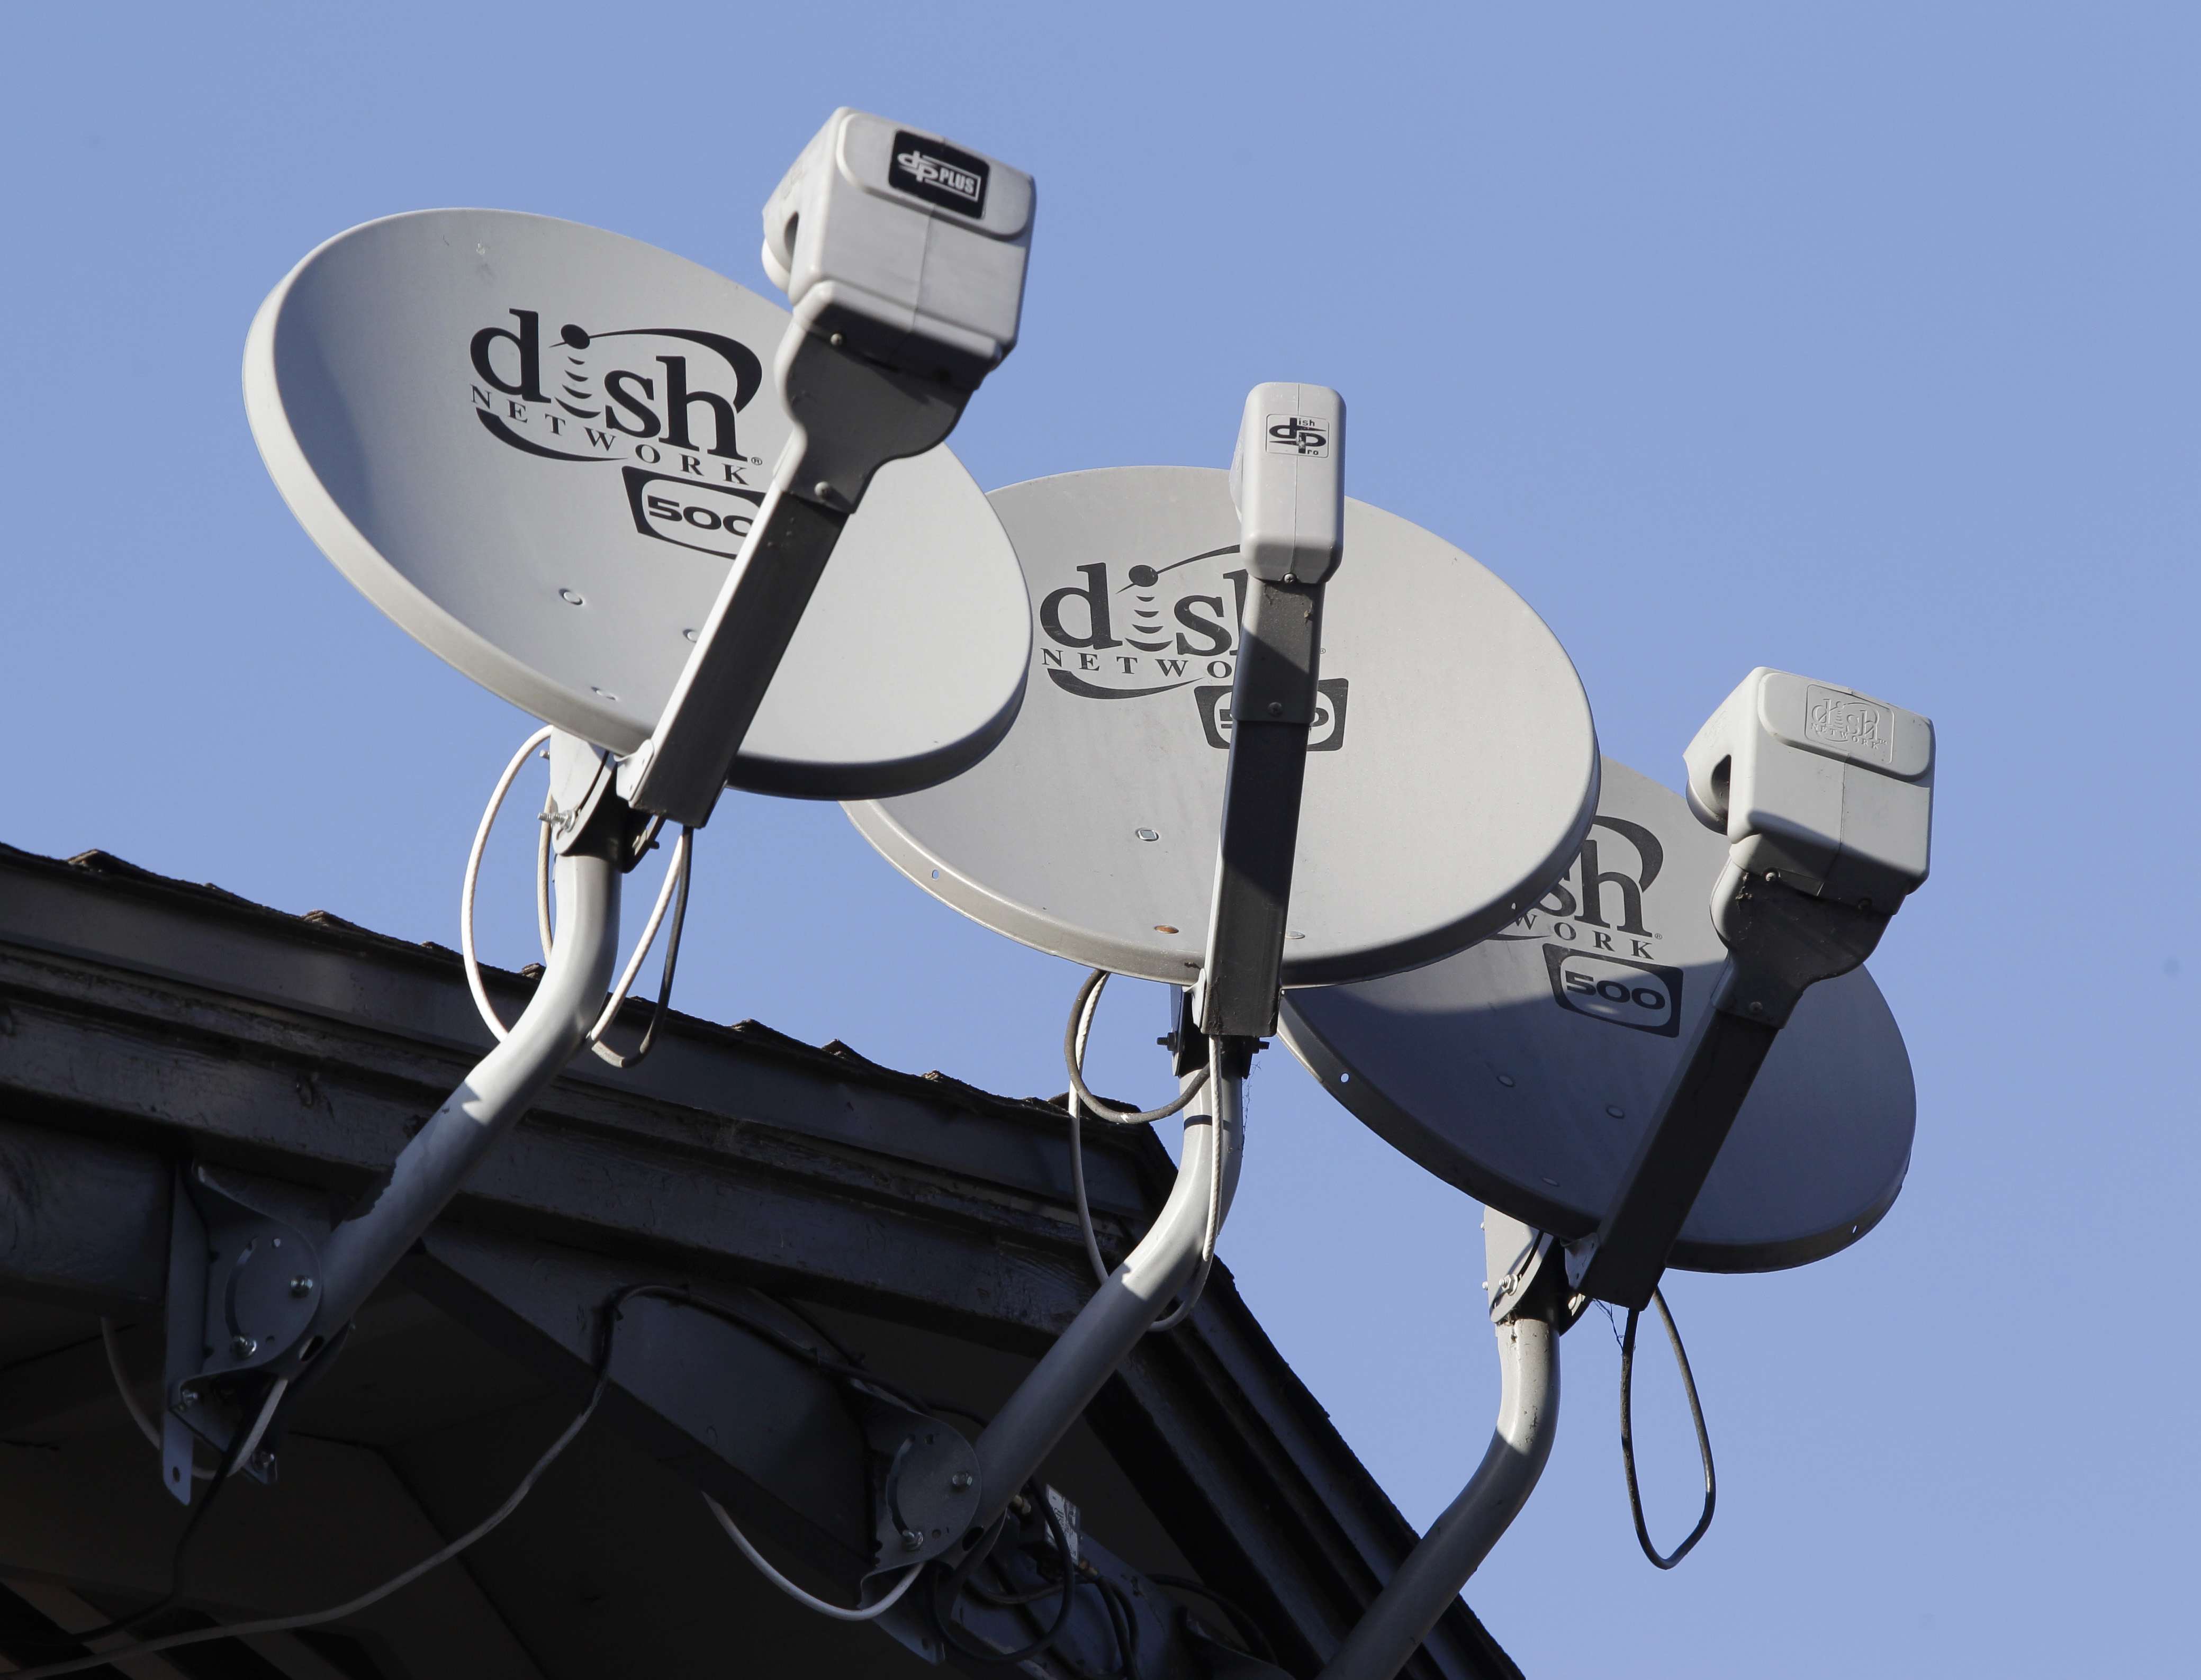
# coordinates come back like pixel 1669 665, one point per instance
pixel 1526 1069
pixel 1451 772
pixel 537 447
pixel 541 450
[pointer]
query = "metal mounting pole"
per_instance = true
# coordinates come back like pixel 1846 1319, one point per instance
pixel 255 1302
pixel 1523 1285
pixel 1060 1387
pixel 430 1170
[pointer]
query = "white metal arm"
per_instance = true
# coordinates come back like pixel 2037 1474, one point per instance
pixel 502 1086
pixel 1062 1383
pixel 1458 1540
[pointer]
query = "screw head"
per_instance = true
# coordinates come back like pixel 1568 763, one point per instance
pixel 822 491
pixel 1275 709
pixel 960 1480
pixel 301 1286
pixel 243 1346
pixel 263 1460
pixel 186 1399
pixel 911 1540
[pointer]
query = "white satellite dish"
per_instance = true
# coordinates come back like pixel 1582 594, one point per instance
pixel 1451 772
pixel 538 446
pixel 1630 1081
pixel 1417 764
pixel 1526 1069
pixel 554 455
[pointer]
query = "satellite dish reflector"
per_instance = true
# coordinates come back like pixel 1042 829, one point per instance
pixel 538 446
pixel 1526 1069
pixel 1451 771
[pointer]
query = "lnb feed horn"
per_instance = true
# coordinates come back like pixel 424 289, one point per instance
pixel 903 256
pixel 1820 787
pixel 1826 796
pixel 907 245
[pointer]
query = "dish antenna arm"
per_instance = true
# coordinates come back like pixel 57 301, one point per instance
pixel 1527 1303
pixel 1288 479
pixel 851 418
pixel 1826 797
pixel 901 308
pixel 1026 1428
pixel 503 1085
pixel 260 1302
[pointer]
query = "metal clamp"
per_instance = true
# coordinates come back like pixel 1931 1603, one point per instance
pixel 925 1481
pixel 244 1282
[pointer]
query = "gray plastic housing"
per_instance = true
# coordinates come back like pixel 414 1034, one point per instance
pixel 1287 482
pixel 1830 789
pixel 908 246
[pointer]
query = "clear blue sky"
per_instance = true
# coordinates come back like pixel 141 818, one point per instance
pixel 1858 341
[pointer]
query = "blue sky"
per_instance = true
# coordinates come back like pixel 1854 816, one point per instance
pixel 1858 341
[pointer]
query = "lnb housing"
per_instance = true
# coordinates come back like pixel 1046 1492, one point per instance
pixel 1829 789
pixel 908 247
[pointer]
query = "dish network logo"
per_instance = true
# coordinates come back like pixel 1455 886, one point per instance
pixel 1596 939
pixel 1159 628
pixel 666 402
pixel 1103 640
pixel 1594 904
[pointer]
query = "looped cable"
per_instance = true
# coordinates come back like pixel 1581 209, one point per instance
pixel 673 892
pixel 542 872
pixel 1216 1168
pixel 1628 1436
pixel 949 1585
pixel 1084 1021
pixel 1209 1078
pixel 474 874
pixel 676 874
pixel 1073 1053
pixel 810 1602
